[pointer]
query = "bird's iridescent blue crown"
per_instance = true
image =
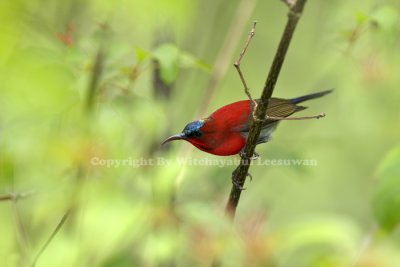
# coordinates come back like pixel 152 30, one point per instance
pixel 193 129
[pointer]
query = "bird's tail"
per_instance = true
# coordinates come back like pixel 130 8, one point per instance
pixel 310 96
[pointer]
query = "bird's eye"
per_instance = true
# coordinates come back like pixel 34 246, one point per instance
pixel 193 134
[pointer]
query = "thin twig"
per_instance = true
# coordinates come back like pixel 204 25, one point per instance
pixel 16 196
pixel 220 67
pixel 250 36
pixel 22 235
pixel 237 65
pixel 241 172
pixel 58 227
pixel 226 51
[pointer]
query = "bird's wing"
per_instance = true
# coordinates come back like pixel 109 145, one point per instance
pixel 277 107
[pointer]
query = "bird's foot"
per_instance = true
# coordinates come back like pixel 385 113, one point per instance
pixel 254 157
pixel 237 183
pixel 250 176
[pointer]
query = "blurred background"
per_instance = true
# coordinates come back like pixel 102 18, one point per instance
pixel 85 84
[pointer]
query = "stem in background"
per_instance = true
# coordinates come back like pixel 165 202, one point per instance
pixel 53 234
pixel 161 89
pixel 94 80
pixel 16 196
pixel 21 231
pixel 243 12
pixel 241 171
pixel 92 90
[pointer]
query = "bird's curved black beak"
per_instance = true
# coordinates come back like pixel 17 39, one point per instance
pixel 174 137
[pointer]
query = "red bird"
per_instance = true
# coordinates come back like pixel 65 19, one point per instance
pixel 226 130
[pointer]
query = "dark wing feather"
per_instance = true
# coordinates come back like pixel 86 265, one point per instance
pixel 277 107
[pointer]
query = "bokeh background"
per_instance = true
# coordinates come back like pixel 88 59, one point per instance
pixel 82 82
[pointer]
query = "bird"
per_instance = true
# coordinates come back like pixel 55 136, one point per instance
pixel 225 131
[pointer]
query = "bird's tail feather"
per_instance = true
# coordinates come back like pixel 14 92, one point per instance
pixel 310 96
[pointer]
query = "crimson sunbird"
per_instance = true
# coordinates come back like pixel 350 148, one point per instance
pixel 226 130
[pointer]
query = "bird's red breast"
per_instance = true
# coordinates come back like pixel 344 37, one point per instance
pixel 222 130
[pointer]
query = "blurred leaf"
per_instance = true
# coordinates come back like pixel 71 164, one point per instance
pixel 171 59
pixel 386 17
pixel 141 54
pixel 189 61
pixel 386 201
pixel 319 241
pixel 333 231
pixel 360 17
pixel 161 247
pixel 168 57
pixel 6 169
pixel 119 260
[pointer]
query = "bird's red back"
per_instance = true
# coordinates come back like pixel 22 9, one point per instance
pixel 222 129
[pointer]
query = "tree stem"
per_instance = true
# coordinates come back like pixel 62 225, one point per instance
pixel 241 171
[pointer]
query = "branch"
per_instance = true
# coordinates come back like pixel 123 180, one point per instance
pixel 243 12
pixel 16 196
pixel 241 172
pixel 53 234
pixel 237 65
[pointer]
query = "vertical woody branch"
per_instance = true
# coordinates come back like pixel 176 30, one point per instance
pixel 241 172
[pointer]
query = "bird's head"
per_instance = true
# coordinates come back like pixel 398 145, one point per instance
pixel 191 133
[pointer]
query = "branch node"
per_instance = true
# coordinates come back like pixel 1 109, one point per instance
pixel 289 3
pixel 295 14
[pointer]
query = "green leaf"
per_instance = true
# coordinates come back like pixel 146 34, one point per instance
pixel 168 57
pixel 189 61
pixel 386 200
pixel 386 17
pixel 316 240
pixel 141 54
pixel 360 17
pixel 171 60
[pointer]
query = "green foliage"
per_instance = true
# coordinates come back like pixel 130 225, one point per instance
pixel 387 195
pixel 133 202
pixel 171 59
pixel 386 17
pixel 168 56
pixel 320 241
